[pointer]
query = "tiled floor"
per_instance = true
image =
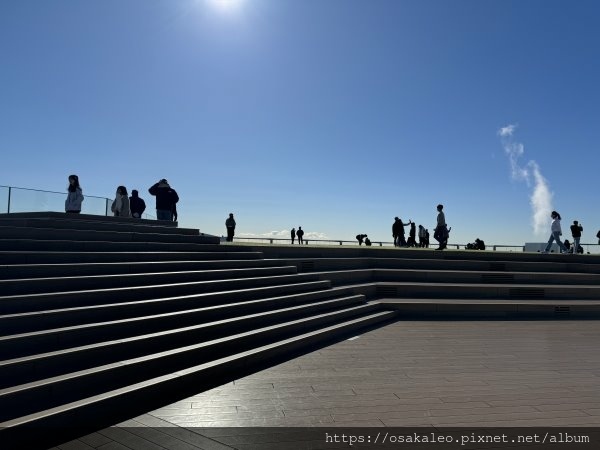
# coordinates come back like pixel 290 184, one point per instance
pixel 441 374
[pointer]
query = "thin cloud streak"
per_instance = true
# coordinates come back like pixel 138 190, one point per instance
pixel 283 234
pixel 540 198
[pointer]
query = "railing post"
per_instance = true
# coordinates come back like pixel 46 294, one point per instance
pixel 9 195
pixel 494 248
pixel 106 211
pixel 340 242
pixel 271 240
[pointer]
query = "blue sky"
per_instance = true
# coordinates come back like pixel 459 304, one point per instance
pixel 336 115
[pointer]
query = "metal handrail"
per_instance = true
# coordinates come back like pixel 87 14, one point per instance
pixel 273 240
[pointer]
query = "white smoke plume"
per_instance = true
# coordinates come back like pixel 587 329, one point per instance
pixel 541 196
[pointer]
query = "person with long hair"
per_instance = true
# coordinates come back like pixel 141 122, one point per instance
pixel 555 234
pixel 121 205
pixel 74 196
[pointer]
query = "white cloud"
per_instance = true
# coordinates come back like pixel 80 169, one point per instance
pixel 283 234
pixel 540 198
pixel 507 131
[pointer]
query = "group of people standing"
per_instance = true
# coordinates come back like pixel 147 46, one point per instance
pixel 166 209
pixel 297 234
pixel 125 206
pixel 441 232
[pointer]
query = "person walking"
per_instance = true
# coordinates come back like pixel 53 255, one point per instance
pixel 166 198
pixel 576 230
pixel 120 205
pixel 293 235
pixel 137 205
pixel 74 196
pixel 300 235
pixel 441 230
pixel 360 238
pixel 230 225
pixel 556 232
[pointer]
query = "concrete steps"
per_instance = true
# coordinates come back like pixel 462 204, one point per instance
pixel 449 309
pixel 10 260
pixel 83 282
pixel 130 235
pixel 114 406
pixel 100 319
pixel 21 271
pixel 107 224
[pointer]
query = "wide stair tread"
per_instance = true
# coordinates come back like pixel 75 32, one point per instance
pixel 70 387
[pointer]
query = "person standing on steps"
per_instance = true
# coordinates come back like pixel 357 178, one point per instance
pixel 166 197
pixel 441 230
pixel 576 230
pixel 401 240
pixel 230 225
pixel 412 241
pixel 300 235
pixel 396 227
pixel 74 196
pixel 136 204
pixel 120 205
pixel 556 232
pixel 422 236
pixel 293 235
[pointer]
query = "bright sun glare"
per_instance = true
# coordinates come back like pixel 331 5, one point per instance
pixel 226 5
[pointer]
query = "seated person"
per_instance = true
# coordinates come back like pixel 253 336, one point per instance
pixel 479 244
pixel 367 242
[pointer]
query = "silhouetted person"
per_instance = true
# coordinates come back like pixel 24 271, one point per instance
pixel 441 230
pixel 300 234
pixel 412 241
pixel 74 196
pixel 396 227
pixel 401 239
pixel 567 245
pixel 293 235
pixel 422 236
pixel 556 232
pixel 174 212
pixel 598 236
pixel 367 241
pixel 360 238
pixel 166 198
pixel 576 230
pixel 479 244
pixel 137 205
pixel 426 238
pixel 230 225
pixel 120 205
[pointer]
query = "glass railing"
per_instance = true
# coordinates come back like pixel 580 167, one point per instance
pixel 18 200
